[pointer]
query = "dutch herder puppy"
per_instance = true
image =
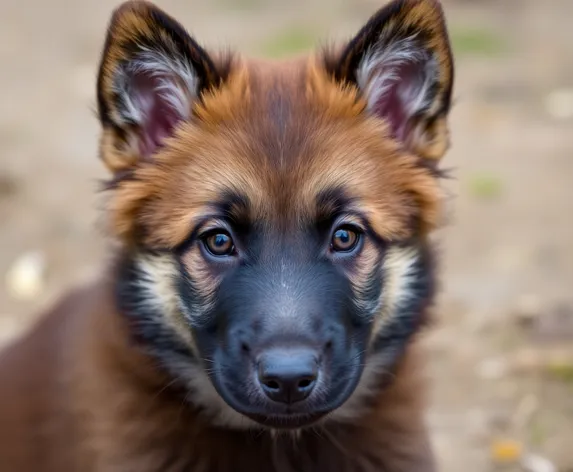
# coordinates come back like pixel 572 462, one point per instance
pixel 273 263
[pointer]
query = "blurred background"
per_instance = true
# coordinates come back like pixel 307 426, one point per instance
pixel 501 360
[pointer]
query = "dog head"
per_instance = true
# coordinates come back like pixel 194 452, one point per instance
pixel 274 216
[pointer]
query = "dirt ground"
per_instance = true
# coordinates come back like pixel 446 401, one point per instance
pixel 501 361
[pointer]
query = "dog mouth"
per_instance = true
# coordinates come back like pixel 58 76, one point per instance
pixel 271 415
pixel 298 415
pixel 287 421
pixel 250 401
pixel 280 417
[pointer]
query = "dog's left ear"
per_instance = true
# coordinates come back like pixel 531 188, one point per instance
pixel 151 75
pixel 402 64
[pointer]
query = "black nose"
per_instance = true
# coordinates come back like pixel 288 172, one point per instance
pixel 288 375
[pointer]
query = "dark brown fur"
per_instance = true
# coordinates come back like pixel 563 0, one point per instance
pixel 80 397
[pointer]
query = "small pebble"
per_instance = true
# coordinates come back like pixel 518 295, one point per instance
pixel 534 463
pixel 527 309
pixel 25 278
pixel 559 104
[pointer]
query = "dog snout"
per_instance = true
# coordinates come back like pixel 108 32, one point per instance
pixel 287 375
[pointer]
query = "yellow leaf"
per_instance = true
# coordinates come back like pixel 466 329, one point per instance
pixel 506 450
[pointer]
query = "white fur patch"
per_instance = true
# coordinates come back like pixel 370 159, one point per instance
pixel 157 277
pixel 399 269
pixel 156 280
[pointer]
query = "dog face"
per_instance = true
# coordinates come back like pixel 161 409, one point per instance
pixel 274 216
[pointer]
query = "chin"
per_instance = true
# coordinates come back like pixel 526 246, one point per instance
pixel 292 421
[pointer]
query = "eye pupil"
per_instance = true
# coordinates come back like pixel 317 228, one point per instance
pixel 219 244
pixel 343 236
pixel 221 240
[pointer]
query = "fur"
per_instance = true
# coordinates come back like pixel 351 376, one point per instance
pixel 126 373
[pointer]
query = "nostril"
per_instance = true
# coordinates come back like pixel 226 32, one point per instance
pixel 245 348
pixel 328 345
pixel 305 383
pixel 272 385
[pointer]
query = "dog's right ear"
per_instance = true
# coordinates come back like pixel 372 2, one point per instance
pixel 402 64
pixel 151 73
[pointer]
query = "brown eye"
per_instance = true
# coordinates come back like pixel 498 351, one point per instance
pixel 344 239
pixel 219 244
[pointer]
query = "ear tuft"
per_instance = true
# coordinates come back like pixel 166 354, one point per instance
pixel 397 81
pixel 401 62
pixel 151 74
pixel 154 92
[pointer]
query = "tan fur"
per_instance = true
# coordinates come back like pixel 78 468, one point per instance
pixel 389 183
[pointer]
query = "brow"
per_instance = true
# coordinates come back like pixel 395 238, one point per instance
pixel 335 202
pixel 331 203
pixel 233 207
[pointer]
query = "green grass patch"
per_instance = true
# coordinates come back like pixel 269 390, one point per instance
pixel 486 186
pixel 562 371
pixel 477 42
pixel 289 41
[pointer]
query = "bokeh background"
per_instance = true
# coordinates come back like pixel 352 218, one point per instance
pixel 501 359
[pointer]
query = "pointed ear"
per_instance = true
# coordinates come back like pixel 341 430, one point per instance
pixel 150 75
pixel 401 61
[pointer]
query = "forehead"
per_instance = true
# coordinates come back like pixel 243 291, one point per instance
pixel 279 144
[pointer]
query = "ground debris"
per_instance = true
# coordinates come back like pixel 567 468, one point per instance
pixel 559 103
pixel 25 278
pixel 535 463
pixel 504 451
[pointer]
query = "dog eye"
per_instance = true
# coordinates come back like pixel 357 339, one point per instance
pixel 344 239
pixel 219 244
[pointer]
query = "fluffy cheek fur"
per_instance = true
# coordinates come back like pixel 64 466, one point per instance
pixel 400 307
pixel 161 320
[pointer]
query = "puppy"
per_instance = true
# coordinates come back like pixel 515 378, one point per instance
pixel 273 263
